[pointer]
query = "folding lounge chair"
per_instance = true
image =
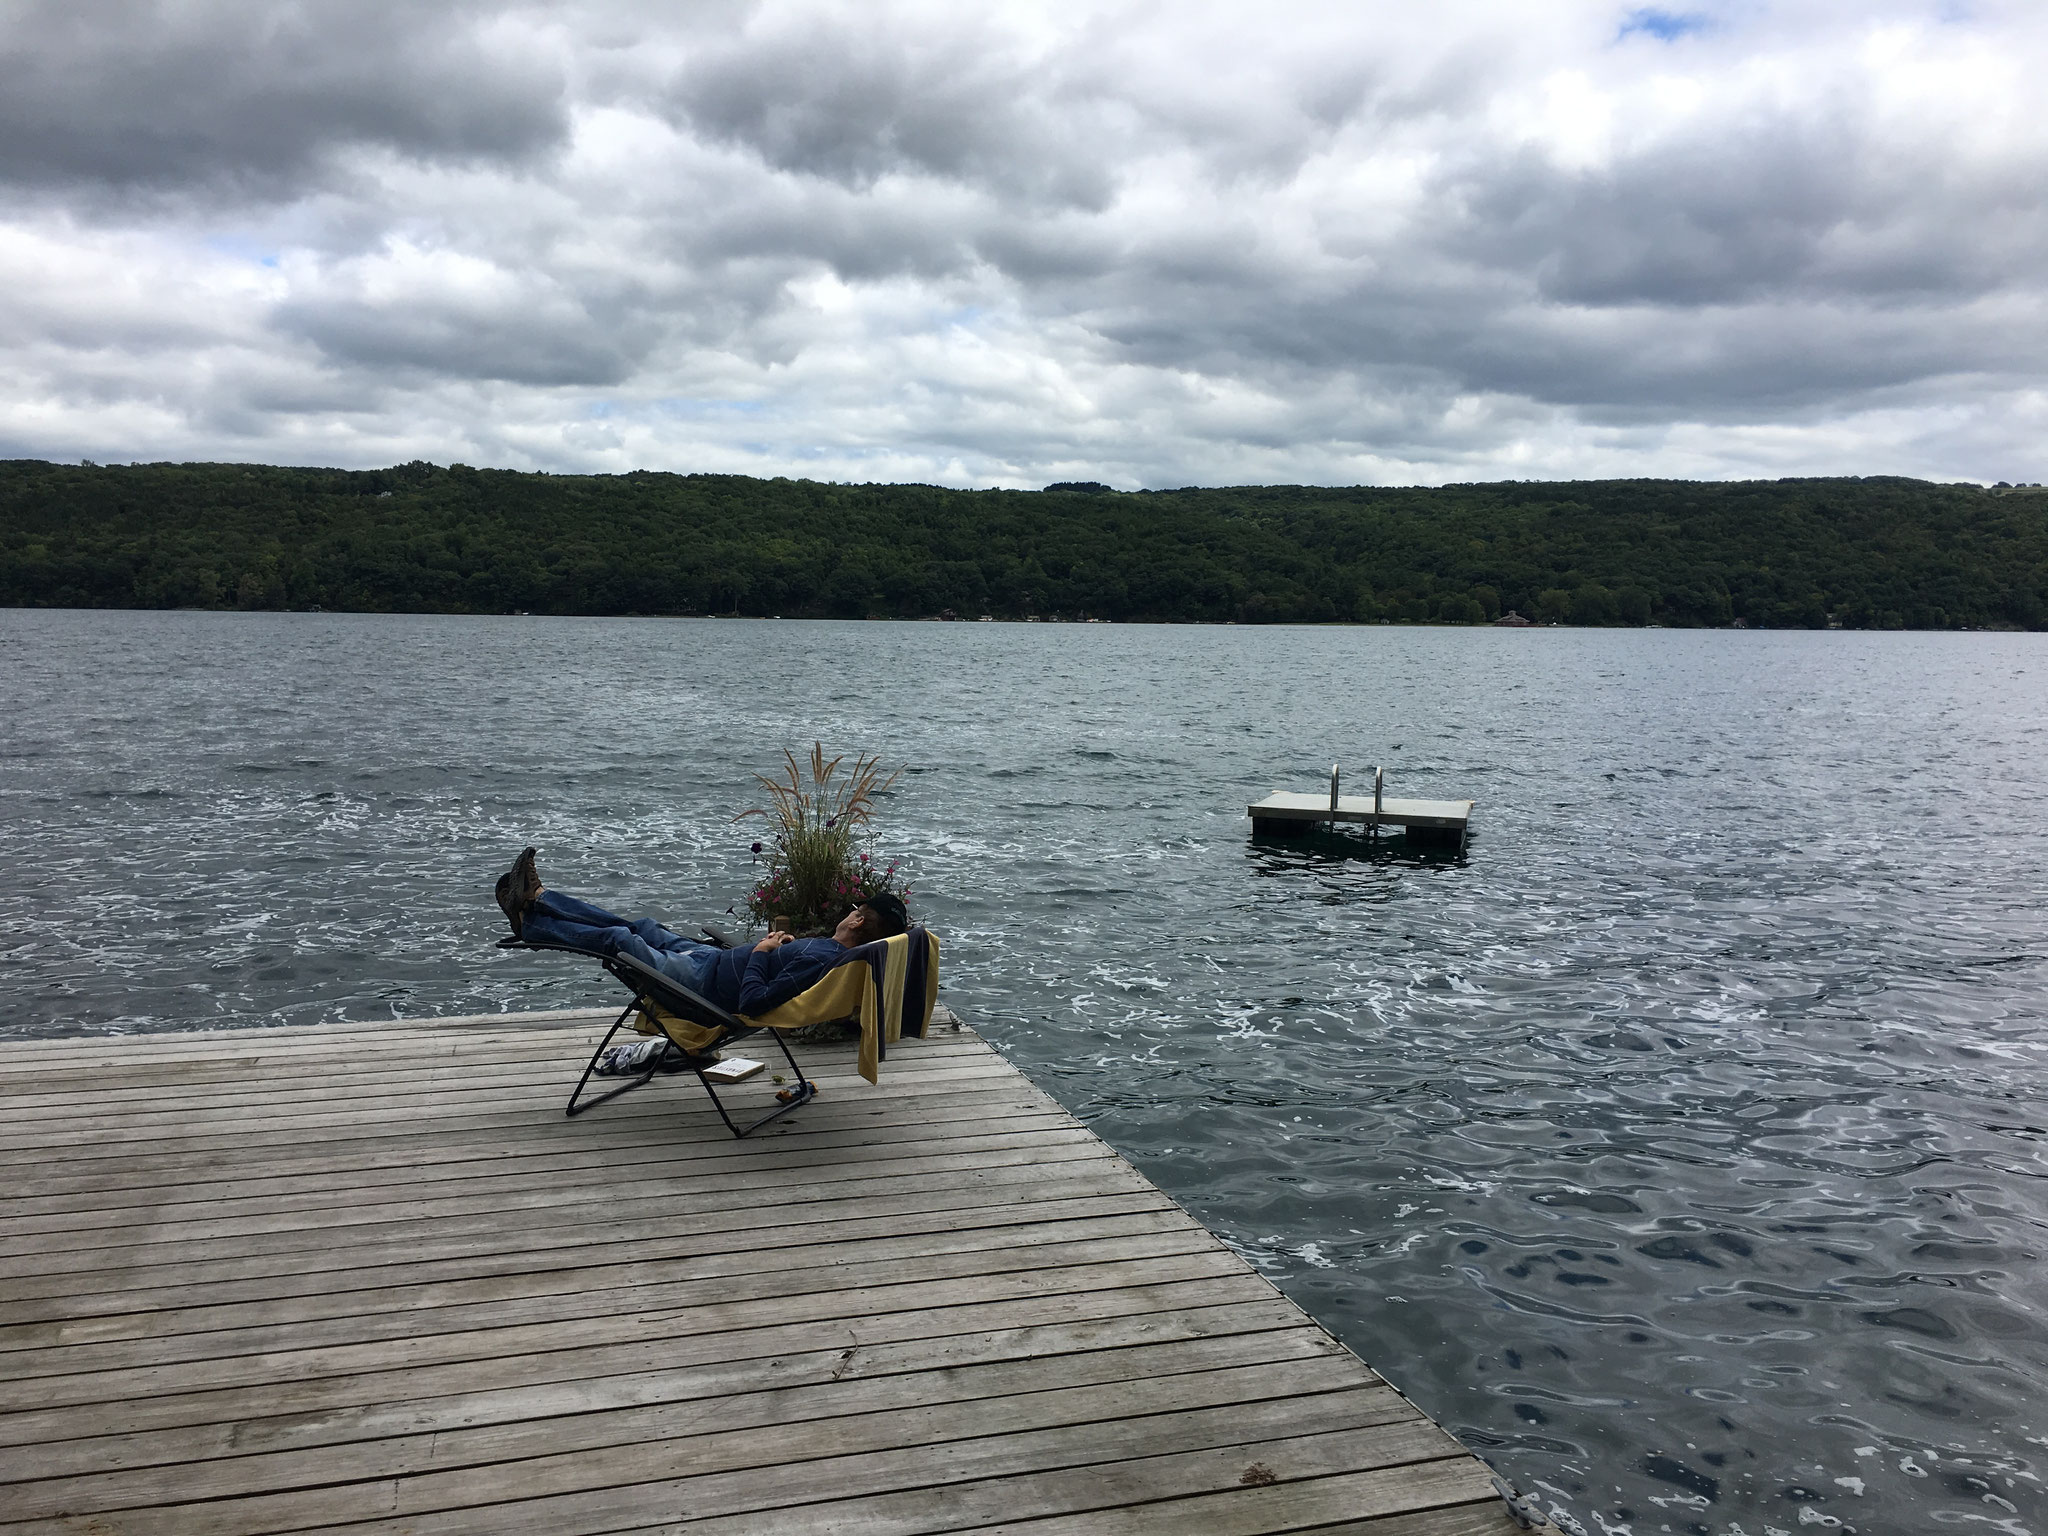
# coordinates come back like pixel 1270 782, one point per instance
pixel 890 984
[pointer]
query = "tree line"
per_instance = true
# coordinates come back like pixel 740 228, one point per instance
pixel 1859 553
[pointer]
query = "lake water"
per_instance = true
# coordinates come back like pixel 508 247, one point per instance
pixel 1680 1147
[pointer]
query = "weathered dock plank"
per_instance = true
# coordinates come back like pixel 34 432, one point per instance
pixel 369 1278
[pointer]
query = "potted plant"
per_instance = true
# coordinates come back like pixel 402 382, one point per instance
pixel 817 864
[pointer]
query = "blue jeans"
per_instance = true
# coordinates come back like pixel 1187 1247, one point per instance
pixel 557 919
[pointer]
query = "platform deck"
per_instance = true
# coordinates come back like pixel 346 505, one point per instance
pixel 1358 809
pixel 369 1279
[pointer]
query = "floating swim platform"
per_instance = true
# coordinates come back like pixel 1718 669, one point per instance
pixel 1288 814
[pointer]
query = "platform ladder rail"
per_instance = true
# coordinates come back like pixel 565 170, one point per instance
pixel 1285 814
pixel 1379 788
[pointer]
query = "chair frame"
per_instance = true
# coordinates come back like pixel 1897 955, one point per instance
pixel 651 989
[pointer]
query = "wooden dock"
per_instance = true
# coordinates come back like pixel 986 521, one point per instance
pixel 368 1278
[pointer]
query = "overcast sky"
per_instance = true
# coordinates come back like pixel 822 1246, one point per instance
pixel 1151 244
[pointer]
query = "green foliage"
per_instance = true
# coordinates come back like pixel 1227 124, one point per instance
pixel 1870 553
pixel 817 865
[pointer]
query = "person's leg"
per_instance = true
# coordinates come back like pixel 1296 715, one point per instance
pixel 689 963
pixel 559 918
pixel 556 918
pixel 561 907
pixel 659 936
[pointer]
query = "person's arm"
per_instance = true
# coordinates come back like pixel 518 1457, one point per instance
pixel 772 979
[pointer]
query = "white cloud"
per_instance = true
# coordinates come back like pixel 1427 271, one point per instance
pixel 1150 244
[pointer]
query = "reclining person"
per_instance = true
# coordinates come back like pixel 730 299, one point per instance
pixel 750 979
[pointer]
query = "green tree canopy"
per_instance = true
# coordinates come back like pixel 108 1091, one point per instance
pixel 1861 553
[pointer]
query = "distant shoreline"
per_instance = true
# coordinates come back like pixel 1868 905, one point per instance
pixel 777 618
pixel 1849 553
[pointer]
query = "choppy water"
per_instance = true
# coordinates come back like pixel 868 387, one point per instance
pixel 1681 1148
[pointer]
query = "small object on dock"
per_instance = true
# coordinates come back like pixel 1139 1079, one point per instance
pixel 1285 814
pixel 734 1069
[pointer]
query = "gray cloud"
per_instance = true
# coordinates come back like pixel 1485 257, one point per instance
pixel 558 343
pixel 1141 243
pixel 838 98
pixel 1769 210
pixel 146 94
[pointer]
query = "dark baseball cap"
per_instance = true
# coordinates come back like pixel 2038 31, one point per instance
pixel 895 916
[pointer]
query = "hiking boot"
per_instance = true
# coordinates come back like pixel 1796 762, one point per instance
pixel 517 888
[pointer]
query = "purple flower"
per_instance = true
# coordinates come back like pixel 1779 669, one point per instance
pixel 757 847
pixel 863 858
pixel 831 821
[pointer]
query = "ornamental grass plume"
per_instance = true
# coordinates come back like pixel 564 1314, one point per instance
pixel 816 868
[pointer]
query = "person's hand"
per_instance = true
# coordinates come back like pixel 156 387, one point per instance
pixel 774 940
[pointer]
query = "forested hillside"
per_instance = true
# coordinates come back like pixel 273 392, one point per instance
pixel 1860 553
